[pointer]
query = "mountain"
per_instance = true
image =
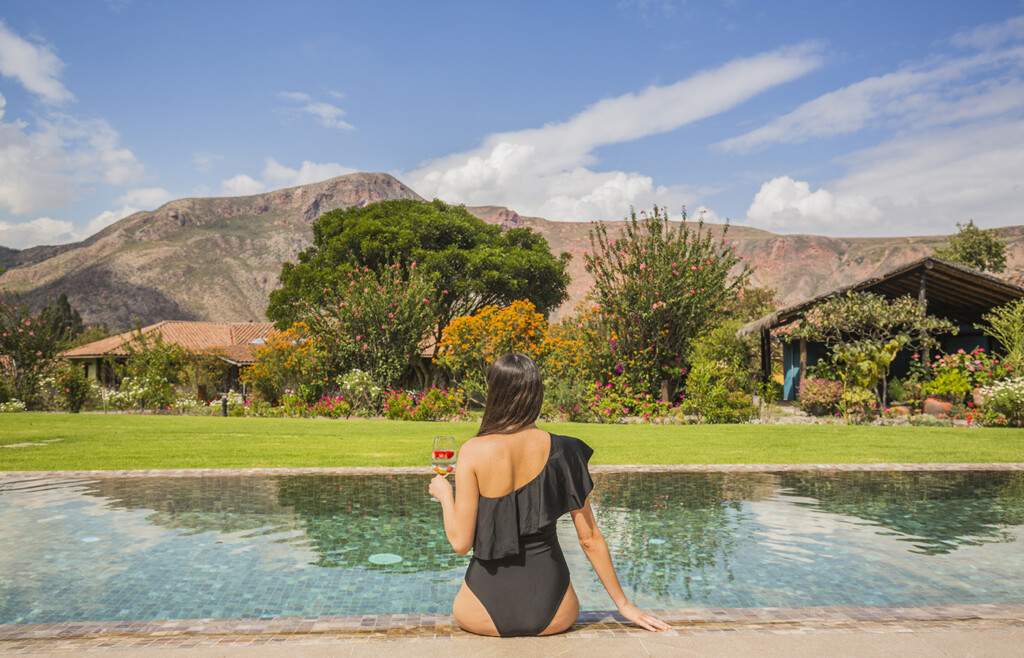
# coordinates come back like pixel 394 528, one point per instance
pixel 218 259
pixel 192 259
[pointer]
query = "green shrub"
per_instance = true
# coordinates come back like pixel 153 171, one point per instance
pixel 859 405
pixel 360 391
pixel 73 388
pixel 710 401
pixel 950 384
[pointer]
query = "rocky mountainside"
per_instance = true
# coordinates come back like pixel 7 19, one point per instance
pixel 218 259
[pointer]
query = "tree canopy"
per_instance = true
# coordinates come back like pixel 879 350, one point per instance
pixel 974 247
pixel 471 264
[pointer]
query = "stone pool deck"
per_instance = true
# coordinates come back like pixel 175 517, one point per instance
pixel 974 630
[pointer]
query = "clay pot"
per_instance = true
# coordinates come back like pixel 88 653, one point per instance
pixel 978 398
pixel 938 406
pixel 899 410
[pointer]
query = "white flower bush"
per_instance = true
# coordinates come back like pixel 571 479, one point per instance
pixel 11 406
pixel 1004 402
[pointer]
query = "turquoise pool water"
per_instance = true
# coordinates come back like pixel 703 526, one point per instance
pixel 138 548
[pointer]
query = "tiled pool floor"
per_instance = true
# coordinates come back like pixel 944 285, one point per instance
pixel 1005 622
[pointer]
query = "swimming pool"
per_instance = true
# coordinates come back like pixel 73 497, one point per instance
pixel 138 548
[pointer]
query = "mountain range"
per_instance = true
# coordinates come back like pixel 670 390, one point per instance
pixel 218 259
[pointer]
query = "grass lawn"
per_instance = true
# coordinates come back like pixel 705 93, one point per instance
pixel 99 442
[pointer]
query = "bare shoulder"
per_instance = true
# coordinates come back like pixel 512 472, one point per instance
pixel 474 449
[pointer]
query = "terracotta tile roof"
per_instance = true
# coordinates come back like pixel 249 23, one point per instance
pixel 235 339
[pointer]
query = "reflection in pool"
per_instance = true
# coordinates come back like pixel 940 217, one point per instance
pixel 112 548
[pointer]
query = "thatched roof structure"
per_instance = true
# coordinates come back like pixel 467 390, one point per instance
pixel 953 291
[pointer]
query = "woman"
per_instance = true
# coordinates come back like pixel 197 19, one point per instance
pixel 514 482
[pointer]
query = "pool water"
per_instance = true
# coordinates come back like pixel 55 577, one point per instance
pixel 140 548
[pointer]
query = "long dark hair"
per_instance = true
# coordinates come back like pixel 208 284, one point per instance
pixel 515 394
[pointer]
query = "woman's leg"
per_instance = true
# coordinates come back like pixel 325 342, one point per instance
pixel 568 612
pixel 471 615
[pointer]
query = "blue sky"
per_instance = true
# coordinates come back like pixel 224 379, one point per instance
pixel 838 118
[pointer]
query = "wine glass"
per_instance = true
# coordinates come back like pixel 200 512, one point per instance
pixel 442 458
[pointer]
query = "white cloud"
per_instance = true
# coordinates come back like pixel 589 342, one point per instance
pixel 43 166
pixel 276 174
pixel 788 205
pixel 990 34
pixel 36 67
pixel 326 114
pixel 911 184
pixel 937 92
pixel 544 170
pixel 241 185
pixel 148 197
pixel 42 230
pixel 204 160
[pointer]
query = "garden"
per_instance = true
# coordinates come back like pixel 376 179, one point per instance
pixel 397 309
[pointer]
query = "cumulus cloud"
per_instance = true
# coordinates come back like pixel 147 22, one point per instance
pixel 44 163
pixel 545 170
pixel 276 174
pixel 42 230
pixel 241 185
pixel 147 198
pixel 937 92
pixel 326 114
pixel 35 66
pixel 920 183
pixel 42 166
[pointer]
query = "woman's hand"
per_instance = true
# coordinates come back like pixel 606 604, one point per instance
pixel 441 488
pixel 641 618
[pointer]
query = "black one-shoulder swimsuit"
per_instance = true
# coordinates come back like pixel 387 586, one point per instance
pixel 518 571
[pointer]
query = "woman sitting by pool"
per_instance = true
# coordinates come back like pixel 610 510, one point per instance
pixel 514 482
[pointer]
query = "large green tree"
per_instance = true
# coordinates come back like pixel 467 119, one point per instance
pixel 974 247
pixel 471 263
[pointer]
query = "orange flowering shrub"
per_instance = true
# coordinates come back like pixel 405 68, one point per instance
pixel 471 343
pixel 292 359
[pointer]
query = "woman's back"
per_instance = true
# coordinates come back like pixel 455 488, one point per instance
pixel 504 463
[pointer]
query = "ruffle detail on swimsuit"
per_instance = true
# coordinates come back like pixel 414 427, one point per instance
pixel 562 485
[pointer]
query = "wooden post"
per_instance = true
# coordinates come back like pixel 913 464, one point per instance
pixel 664 390
pixel 922 299
pixel 766 356
pixel 803 361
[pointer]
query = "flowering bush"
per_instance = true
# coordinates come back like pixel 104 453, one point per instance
pixel 288 359
pixel 470 344
pixel 433 404
pixel 820 397
pixel 1004 403
pixel 657 288
pixel 977 367
pixel 11 406
pixel 359 391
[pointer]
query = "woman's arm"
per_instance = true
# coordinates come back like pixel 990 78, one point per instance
pixel 459 515
pixel 596 549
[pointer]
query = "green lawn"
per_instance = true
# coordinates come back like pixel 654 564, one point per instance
pixel 96 441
